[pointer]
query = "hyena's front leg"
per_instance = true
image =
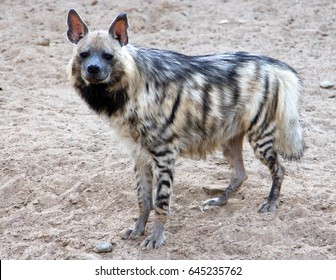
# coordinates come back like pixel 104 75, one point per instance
pixel 144 180
pixel 164 168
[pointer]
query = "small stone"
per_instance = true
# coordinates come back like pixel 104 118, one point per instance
pixel 192 191
pixel 193 207
pixel 44 42
pixel 326 84
pixel 103 247
pixel 36 201
pixel 224 21
pixel 73 198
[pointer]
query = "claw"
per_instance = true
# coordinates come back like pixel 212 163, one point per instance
pixel 218 201
pixel 267 207
pixel 131 233
pixel 156 239
pixel 204 208
pixel 151 243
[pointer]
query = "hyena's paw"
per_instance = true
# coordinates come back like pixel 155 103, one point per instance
pixel 156 239
pixel 218 201
pixel 267 207
pixel 132 233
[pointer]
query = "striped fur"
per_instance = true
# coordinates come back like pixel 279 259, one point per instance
pixel 163 104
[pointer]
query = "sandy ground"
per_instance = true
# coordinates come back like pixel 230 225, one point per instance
pixel 65 184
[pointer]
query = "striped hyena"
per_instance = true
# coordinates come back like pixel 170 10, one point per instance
pixel 163 104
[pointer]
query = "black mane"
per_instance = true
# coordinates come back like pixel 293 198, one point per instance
pixel 101 100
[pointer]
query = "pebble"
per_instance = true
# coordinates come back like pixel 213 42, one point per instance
pixel 43 42
pixel 224 21
pixel 103 247
pixel 192 191
pixel 73 198
pixel 326 84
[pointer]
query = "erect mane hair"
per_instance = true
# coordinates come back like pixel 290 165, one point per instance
pixel 101 99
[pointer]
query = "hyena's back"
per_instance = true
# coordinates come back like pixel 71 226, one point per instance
pixel 200 102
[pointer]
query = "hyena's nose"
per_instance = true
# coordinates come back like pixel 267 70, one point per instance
pixel 93 69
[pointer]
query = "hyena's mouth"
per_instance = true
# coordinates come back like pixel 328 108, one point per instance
pixel 92 79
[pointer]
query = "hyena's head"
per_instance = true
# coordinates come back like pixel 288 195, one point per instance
pixel 97 54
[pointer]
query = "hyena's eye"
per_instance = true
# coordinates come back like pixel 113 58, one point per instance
pixel 84 55
pixel 107 56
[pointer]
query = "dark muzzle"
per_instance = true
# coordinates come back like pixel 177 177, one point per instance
pixel 93 69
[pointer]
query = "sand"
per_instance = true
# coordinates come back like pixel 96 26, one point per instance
pixel 65 183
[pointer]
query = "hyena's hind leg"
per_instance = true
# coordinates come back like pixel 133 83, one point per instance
pixel 233 153
pixel 263 146
pixel 144 185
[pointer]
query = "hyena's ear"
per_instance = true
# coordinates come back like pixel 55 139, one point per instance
pixel 77 27
pixel 118 29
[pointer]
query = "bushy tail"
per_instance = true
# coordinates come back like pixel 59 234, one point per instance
pixel 289 134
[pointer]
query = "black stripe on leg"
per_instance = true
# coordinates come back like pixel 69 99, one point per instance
pixel 264 143
pixel 162 153
pixel 168 172
pixel 164 182
pixel 268 134
pixel 162 197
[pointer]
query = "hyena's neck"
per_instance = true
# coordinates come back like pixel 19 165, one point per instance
pixel 102 99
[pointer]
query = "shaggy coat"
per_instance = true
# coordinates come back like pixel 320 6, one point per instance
pixel 164 104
